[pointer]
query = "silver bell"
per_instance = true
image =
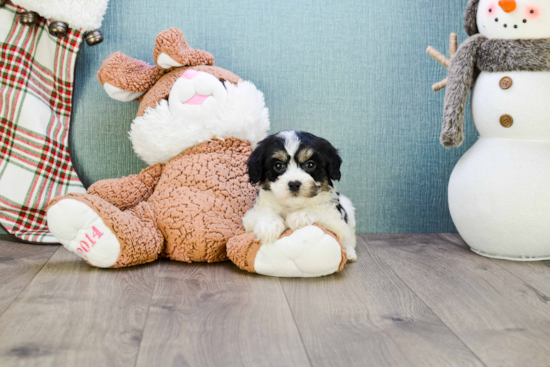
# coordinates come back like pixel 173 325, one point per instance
pixel 28 18
pixel 94 37
pixel 58 29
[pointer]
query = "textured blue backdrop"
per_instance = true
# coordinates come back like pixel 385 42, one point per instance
pixel 352 71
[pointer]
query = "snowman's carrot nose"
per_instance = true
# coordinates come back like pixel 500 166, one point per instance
pixel 508 5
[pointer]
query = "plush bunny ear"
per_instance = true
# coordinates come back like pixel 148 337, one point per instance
pixel 126 79
pixel 172 50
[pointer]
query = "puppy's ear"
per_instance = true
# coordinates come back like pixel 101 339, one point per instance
pixel 334 161
pixel 256 164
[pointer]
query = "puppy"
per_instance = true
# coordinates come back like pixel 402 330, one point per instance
pixel 295 171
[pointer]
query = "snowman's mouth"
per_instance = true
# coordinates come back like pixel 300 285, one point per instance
pixel 506 24
pixel 196 100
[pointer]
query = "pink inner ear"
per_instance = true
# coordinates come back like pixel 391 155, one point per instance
pixel 197 100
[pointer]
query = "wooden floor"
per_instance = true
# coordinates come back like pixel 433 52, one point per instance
pixel 410 300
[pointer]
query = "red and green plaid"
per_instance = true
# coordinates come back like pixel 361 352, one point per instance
pixel 36 92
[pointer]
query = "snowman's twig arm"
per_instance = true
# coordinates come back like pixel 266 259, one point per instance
pixel 438 56
pixel 453 44
pixel 439 85
pixel 460 79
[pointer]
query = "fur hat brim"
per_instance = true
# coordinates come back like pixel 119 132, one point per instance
pixel 470 18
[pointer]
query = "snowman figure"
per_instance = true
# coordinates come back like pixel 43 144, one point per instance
pixel 499 191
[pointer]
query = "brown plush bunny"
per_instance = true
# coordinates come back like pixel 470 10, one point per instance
pixel 196 126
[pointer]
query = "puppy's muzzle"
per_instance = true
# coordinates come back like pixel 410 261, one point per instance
pixel 294 186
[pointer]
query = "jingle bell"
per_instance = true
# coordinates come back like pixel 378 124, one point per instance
pixel 28 18
pixel 94 37
pixel 58 29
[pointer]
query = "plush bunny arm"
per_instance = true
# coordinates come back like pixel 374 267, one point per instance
pixel 312 251
pixel 127 192
pixel 459 82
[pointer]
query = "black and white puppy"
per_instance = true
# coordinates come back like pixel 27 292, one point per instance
pixel 295 171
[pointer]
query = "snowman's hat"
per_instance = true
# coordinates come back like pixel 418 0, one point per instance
pixel 470 18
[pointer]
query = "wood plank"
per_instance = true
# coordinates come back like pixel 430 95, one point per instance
pixel 19 263
pixel 366 315
pixel 217 315
pixel 72 314
pixel 503 320
pixel 536 274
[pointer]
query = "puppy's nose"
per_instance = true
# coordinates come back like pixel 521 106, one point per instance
pixel 190 74
pixel 508 5
pixel 294 186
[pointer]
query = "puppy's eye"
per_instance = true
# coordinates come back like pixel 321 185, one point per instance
pixel 310 166
pixel 279 167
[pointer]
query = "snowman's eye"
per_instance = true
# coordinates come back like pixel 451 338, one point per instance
pixel 490 10
pixel 532 12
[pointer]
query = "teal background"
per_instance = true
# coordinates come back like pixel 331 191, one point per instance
pixel 352 71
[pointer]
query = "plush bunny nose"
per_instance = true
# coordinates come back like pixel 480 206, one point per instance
pixel 190 74
pixel 508 5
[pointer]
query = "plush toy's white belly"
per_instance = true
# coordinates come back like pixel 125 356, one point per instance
pixel 499 192
pixel 527 101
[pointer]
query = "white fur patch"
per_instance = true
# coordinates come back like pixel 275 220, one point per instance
pixel 159 135
pixel 81 231
pixel 292 142
pixel 300 219
pixel 86 15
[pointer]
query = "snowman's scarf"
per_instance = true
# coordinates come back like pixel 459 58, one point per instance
pixel 477 54
pixel 514 55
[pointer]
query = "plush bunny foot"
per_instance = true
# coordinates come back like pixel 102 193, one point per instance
pixel 102 234
pixel 311 251
pixel 82 231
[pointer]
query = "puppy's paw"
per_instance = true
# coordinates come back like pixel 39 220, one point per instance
pixel 352 255
pixel 300 220
pixel 268 231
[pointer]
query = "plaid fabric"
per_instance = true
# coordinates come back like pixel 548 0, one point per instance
pixel 36 91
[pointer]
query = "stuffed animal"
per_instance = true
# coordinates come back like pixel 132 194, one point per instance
pixel 499 192
pixel 196 126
